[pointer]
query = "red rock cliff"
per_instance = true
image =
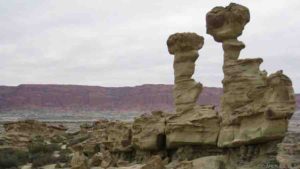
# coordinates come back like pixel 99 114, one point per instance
pixel 73 97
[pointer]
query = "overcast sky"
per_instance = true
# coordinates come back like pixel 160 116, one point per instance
pixel 123 42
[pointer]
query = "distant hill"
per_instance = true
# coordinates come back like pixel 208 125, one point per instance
pixel 74 98
pixel 62 98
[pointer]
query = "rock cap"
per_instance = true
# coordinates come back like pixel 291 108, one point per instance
pixel 225 23
pixel 186 41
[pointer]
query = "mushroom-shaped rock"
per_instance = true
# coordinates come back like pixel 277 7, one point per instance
pixel 255 108
pixel 225 23
pixel 185 47
pixel 183 42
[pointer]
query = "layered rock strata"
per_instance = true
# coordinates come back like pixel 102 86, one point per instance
pixel 197 127
pixel 185 46
pixel 255 107
pixel 20 134
pixel 192 124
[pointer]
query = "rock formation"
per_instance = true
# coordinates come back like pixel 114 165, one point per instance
pixel 79 160
pixel 192 124
pixel 254 107
pixel 185 47
pixel 113 135
pixel 253 119
pixel 197 127
pixel 289 151
pixel 20 134
pixel 148 131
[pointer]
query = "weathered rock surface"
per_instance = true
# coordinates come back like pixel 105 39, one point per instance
pixel 209 162
pixel 185 46
pixel 289 151
pixel 225 23
pixel 197 127
pixel 191 125
pixel 79 160
pixel 113 135
pixel 20 134
pixel 154 162
pixel 254 107
pixel 148 131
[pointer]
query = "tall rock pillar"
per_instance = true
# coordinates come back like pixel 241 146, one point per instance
pixel 192 124
pixel 255 107
pixel 185 47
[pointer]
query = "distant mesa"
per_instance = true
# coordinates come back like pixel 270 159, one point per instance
pixel 76 98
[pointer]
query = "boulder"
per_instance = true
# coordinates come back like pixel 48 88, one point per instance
pixel 154 162
pixel 79 160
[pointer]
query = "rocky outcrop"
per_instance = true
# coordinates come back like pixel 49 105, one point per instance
pixel 254 107
pixel 20 134
pixel 115 136
pixel 148 131
pixel 197 127
pixel 79 160
pixel 289 151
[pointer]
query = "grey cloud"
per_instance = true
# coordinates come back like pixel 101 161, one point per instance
pixel 123 43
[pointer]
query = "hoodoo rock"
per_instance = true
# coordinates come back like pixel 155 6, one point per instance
pixel 185 47
pixel 255 107
pixel 245 133
pixel 192 124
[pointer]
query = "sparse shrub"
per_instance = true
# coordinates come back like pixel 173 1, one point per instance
pixel 79 140
pixel 41 153
pixel 66 151
pixel 58 166
pixel 63 158
pixel 10 158
pixel 42 148
pixel 41 159
pixel 58 139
